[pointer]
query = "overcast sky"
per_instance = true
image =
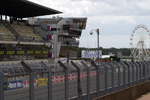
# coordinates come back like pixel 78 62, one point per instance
pixel 114 18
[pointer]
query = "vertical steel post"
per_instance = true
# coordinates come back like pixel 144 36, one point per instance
pixel 98 44
pixel 128 73
pixel 66 79
pixel 66 84
pixel 98 87
pixel 31 93
pixel 1 85
pixel 49 80
pixel 32 85
pixel 118 76
pixel 144 74
pixel 97 78
pixel 124 75
pixel 79 86
pixel 135 65
pixel 88 80
pixel 132 72
pixel 106 75
pixel 140 71
pixel 106 72
pixel 149 68
pixel 112 76
pixel 146 71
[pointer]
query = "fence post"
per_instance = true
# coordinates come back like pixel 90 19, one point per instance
pixel 128 73
pixel 124 75
pixel 49 80
pixel 97 79
pixel 146 70
pixel 132 72
pixel 88 80
pixel 149 67
pixel 147 64
pixel 135 65
pixel 106 72
pixel 66 79
pixel 79 86
pixel 112 75
pixel 140 71
pixel 118 76
pixel 1 85
pixel 31 93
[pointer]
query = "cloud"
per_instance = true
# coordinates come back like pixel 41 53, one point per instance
pixel 106 41
pixel 114 18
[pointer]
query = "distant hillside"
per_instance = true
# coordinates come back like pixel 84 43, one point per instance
pixel 105 51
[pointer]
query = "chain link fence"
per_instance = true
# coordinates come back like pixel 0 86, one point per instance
pixel 84 80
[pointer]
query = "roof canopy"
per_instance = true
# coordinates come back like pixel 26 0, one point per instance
pixel 24 8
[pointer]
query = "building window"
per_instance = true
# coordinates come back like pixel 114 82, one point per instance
pixel 53 29
pixel 58 29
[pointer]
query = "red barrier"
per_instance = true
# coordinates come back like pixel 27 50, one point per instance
pixel 62 78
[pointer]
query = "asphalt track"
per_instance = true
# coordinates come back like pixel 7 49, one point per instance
pixel 58 89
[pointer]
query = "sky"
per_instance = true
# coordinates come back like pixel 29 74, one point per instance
pixel 115 19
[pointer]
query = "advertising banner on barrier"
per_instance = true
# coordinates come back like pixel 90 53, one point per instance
pixel 22 52
pixel 53 79
pixel 42 81
pixel 73 76
pixel 5 86
pixel 69 77
pixel 14 85
pixel 62 78
pixel 76 76
pixel 57 79
pixel 27 82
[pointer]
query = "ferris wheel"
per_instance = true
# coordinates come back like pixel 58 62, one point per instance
pixel 139 42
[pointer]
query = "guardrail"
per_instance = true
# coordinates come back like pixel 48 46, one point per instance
pixel 80 80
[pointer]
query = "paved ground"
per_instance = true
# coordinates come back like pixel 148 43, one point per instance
pixel 144 97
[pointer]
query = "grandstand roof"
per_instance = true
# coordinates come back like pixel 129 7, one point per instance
pixel 24 8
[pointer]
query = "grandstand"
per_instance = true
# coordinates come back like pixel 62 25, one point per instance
pixel 19 40
pixel 43 40
pixel 6 34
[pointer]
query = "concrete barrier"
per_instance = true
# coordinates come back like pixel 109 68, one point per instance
pixel 130 93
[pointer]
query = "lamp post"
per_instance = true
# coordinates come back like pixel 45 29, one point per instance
pixel 91 32
pixel 97 31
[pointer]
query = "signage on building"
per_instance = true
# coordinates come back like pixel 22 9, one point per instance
pixel 91 54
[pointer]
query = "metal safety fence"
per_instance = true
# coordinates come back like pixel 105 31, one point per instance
pixel 83 80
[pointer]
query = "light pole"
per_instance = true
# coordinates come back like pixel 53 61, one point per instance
pixel 91 32
pixel 97 31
